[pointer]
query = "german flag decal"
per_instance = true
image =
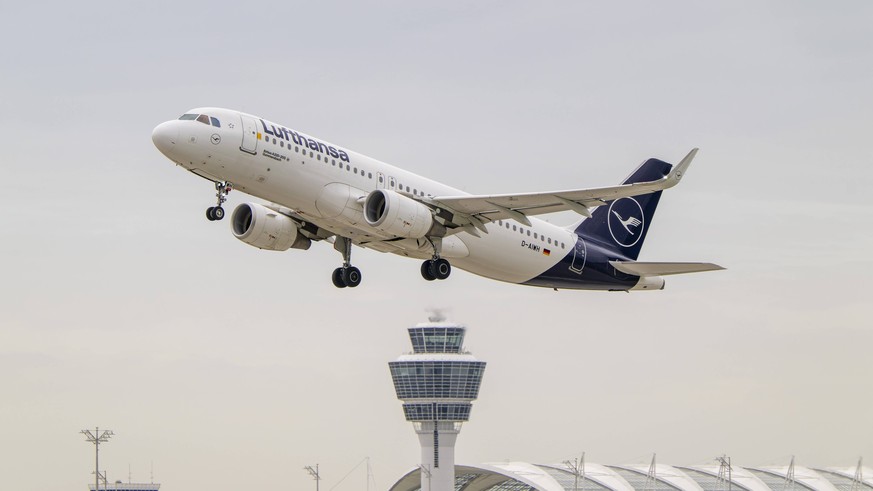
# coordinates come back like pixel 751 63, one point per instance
pixel 546 252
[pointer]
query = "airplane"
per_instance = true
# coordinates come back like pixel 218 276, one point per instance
pixel 321 192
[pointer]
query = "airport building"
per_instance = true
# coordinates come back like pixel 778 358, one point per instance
pixel 523 476
pixel 437 383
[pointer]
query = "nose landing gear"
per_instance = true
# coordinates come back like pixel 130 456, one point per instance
pixel 217 212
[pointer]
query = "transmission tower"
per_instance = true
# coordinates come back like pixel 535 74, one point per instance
pixel 98 437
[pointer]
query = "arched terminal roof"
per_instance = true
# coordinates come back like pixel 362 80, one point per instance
pixel 524 476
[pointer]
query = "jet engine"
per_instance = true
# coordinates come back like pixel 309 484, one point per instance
pixel 392 213
pixel 259 226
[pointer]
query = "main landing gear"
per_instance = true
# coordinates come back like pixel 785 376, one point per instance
pixel 347 275
pixel 436 268
pixel 217 212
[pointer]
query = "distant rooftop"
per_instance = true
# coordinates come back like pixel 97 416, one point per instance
pixel 523 476
pixel 127 486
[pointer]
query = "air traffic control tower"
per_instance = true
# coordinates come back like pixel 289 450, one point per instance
pixel 437 383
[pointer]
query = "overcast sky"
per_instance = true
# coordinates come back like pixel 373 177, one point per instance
pixel 230 367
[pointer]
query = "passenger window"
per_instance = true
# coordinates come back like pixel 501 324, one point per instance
pixel 203 119
pixel 528 233
pixel 369 175
pixel 507 225
pixel 332 161
pixel 188 117
pixel 550 240
pixel 562 245
pixel 513 228
pixel 407 189
pixel 356 170
pixel 535 236
pixel 282 144
pixel 318 156
pixel 348 167
pixel 311 154
pixel 215 122
pixel 297 149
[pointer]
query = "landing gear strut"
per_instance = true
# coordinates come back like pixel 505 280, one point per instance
pixel 347 275
pixel 436 268
pixel 221 190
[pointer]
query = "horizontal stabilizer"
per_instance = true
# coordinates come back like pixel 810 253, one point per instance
pixel 662 269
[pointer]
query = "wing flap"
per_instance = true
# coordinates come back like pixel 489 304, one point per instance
pixel 662 268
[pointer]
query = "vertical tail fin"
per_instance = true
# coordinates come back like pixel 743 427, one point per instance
pixel 622 224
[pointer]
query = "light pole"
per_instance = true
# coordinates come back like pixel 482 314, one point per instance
pixel 97 437
pixel 578 471
pixel 314 473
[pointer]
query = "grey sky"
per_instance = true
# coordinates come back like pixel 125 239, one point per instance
pixel 228 366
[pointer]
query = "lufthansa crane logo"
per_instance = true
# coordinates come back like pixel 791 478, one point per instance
pixel 626 221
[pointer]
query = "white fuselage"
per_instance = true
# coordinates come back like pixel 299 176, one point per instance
pixel 325 184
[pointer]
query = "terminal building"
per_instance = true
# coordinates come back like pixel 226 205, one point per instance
pixel 523 476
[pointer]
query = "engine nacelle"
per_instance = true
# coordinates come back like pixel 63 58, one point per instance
pixel 392 213
pixel 259 226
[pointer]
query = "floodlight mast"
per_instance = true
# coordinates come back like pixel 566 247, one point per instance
pixel 97 437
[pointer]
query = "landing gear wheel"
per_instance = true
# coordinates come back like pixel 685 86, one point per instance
pixel 441 269
pixel 337 278
pixel 427 270
pixel 351 276
pixel 217 212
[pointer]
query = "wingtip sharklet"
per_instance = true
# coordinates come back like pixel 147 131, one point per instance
pixel 680 169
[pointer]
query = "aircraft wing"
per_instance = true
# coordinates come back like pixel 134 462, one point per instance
pixel 519 206
pixel 662 269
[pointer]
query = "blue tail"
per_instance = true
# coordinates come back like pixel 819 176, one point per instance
pixel 621 225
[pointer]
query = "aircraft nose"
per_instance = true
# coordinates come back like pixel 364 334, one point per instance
pixel 165 136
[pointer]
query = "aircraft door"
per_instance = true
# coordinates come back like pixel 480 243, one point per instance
pixel 580 255
pixel 250 135
pixel 392 183
pixel 380 180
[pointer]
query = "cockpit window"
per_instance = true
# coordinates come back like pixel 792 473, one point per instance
pixel 203 118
